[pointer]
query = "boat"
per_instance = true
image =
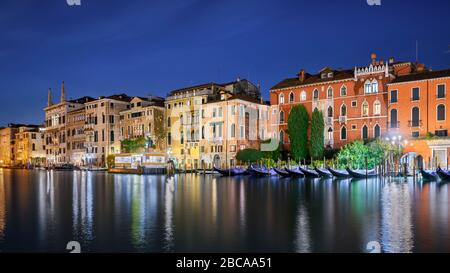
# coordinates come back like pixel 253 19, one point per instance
pixel 309 173
pixel 281 172
pixel 323 173
pixel 428 175
pixel 362 174
pixel 230 172
pixel 443 174
pixel 261 171
pixel 339 173
pixel 94 169
pixel 199 171
pixel 64 167
pixel 294 172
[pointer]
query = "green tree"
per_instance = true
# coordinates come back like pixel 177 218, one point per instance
pixel 133 145
pixel 298 124
pixel 317 139
pixel 273 155
pixel 355 154
pixel 249 155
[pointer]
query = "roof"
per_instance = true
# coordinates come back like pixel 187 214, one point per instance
pixel 313 79
pixel 190 88
pixel 82 100
pixel 239 96
pixel 120 97
pixel 422 76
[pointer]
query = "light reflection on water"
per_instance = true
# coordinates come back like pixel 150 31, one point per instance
pixel 41 211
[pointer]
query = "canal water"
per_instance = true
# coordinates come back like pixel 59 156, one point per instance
pixel 42 211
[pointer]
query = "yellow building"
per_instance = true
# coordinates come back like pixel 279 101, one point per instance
pixel 29 148
pixel 195 131
pixel 145 119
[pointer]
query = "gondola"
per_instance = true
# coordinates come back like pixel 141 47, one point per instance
pixel 428 175
pixel 339 174
pixel 281 172
pixel 443 174
pixel 230 172
pixel 256 171
pixel 361 174
pixel 295 172
pixel 309 173
pixel 323 172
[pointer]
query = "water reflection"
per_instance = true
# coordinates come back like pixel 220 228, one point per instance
pixel 196 213
pixel 396 220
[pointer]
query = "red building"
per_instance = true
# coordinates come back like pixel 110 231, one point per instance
pixel 419 111
pixel 354 101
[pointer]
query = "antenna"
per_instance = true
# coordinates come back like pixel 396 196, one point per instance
pixel 417 51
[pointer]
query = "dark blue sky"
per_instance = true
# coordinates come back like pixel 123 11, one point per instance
pixel 150 46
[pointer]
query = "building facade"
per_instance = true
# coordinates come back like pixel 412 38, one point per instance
pixel 197 125
pixel 354 102
pixel 29 146
pixel 419 111
pixel 76 139
pixel 102 128
pixel 144 119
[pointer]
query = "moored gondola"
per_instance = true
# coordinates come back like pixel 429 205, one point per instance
pixel 295 172
pixel 261 171
pixel 338 173
pixel 309 173
pixel 429 175
pixel 282 173
pixel 230 172
pixel 361 174
pixel 323 173
pixel 443 174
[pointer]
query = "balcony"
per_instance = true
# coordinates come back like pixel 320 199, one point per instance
pixel 393 125
pixel 342 119
pixel 329 121
pixel 415 99
pixel 414 123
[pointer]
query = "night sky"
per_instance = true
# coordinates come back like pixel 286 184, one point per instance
pixel 151 47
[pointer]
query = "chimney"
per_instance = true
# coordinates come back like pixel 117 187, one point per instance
pixel 49 98
pixel 420 67
pixel 63 93
pixel 391 60
pixel 301 75
pixel 373 56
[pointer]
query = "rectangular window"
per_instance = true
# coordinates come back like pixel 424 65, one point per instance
pixel 242 131
pixel 441 133
pixel 415 93
pixel 394 97
pixel 441 91
pixel 415 134
pixel 354 103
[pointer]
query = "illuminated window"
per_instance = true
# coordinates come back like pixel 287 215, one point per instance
pixel 365 109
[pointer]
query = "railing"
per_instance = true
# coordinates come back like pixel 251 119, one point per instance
pixel 329 120
pixel 393 125
pixel 342 119
pixel 415 98
pixel 414 123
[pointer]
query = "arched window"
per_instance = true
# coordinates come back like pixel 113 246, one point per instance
pixel 303 96
pixel 365 132
pixel 168 122
pixel 316 94
pixel 374 86
pixel 281 100
pixel 343 90
pixel 182 137
pixel 281 136
pixel 330 133
pixel 376 131
pixel 377 108
pixel 365 109
pixel 415 117
pixel 330 92
pixel 343 110
pixel 343 133
pixel 394 120
pixel 441 112
pixel 233 130
pixel 330 112
pixel 291 97
pixel 367 87
pixel 281 117
pixel 203 132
